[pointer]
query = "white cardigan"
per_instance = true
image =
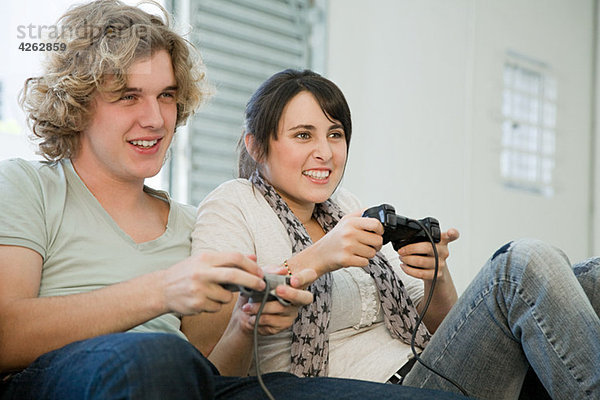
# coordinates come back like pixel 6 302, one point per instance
pixel 236 217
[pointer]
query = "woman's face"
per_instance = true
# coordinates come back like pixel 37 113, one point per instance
pixel 306 162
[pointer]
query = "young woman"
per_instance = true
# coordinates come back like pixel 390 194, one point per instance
pixel 95 272
pixel 520 311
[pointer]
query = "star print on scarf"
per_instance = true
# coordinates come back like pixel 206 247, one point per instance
pixel 310 336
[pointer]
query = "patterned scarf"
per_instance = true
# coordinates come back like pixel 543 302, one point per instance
pixel 310 331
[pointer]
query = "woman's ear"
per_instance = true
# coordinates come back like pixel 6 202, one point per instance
pixel 251 146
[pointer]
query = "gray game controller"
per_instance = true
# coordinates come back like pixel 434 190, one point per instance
pixel 255 296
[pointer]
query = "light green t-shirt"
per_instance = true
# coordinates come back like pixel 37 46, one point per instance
pixel 47 208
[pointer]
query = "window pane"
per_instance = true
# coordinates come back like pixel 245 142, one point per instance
pixel 242 43
pixel 528 129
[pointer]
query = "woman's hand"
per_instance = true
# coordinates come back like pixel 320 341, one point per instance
pixel 194 285
pixel 418 259
pixel 233 353
pixel 275 316
pixel 352 243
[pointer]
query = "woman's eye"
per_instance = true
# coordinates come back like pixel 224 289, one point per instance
pixel 336 134
pixel 303 135
pixel 127 97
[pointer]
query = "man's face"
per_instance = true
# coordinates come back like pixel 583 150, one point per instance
pixel 127 138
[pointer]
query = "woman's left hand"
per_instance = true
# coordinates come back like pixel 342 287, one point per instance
pixel 275 316
pixel 418 259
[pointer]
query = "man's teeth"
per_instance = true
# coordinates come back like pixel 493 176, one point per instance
pixel 144 143
pixel 317 174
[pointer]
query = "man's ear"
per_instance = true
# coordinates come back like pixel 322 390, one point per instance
pixel 251 146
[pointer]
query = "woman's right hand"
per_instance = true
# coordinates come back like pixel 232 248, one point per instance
pixel 352 243
pixel 194 285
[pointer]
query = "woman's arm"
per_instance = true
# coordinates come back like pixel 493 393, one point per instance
pixel 232 355
pixel 233 217
pixel 220 226
pixel 351 243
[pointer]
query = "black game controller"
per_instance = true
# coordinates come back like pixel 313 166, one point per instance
pixel 400 230
pixel 272 280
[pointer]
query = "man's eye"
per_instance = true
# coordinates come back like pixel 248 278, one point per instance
pixel 303 135
pixel 168 97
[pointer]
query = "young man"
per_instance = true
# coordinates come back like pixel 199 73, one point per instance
pixel 95 272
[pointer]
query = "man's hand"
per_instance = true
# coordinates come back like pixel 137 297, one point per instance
pixel 194 285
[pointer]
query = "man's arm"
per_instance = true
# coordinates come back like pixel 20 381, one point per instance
pixel 31 326
pixel 205 330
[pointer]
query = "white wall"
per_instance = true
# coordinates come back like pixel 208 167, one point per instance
pixel 423 80
pixel 560 33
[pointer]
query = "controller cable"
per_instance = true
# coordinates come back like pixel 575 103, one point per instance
pixel 422 314
pixel 413 337
pixel 255 334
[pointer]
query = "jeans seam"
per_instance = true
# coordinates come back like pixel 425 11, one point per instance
pixel 245 383
pixel 476 303
pixel 551 342
pixel 122 362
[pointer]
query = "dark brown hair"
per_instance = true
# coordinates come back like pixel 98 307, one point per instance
pixel 265 107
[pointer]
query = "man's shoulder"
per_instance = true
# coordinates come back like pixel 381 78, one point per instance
pixel 19 166
pixel 21 173
pixel 187 211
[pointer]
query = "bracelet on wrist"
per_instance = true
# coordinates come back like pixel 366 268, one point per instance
pixel 289 270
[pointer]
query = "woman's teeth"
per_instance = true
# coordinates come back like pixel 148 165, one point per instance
pixel 317 174
pixel 144 143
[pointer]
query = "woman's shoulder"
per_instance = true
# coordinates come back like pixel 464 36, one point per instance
pixel 346 200
pixel 230 190
pixel 234 196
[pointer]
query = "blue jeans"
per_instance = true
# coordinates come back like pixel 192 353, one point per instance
pixel 526 307
pixel 161 366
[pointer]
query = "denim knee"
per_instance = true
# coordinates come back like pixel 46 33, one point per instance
pixel 157 365
pixel 534 249
pixel 122 365
pixel 590 267
pixel 588 275
pixel 538 259
pixel 158 350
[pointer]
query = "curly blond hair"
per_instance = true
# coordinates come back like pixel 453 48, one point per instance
pixel 103 39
